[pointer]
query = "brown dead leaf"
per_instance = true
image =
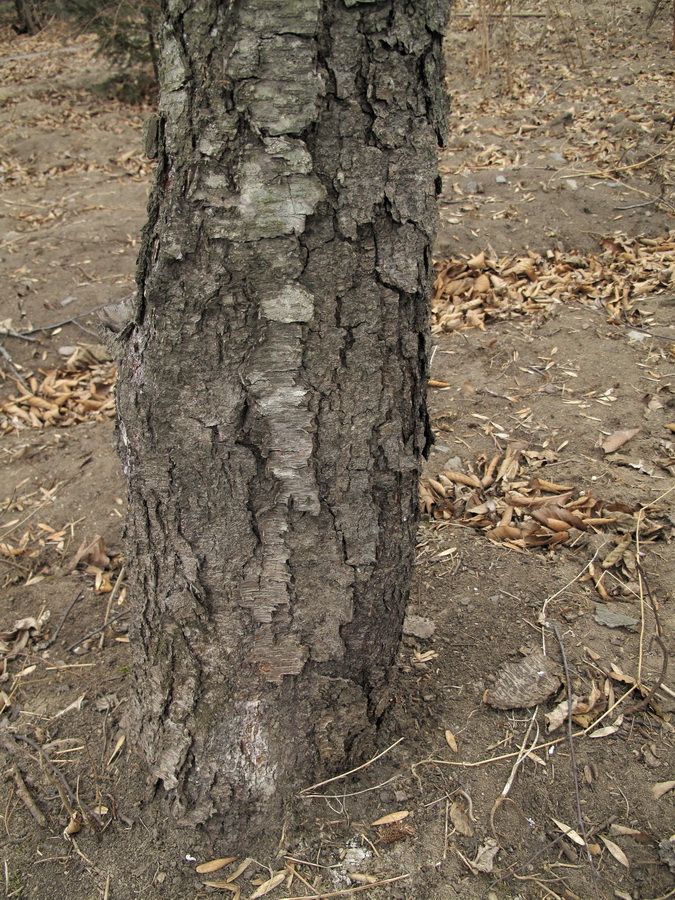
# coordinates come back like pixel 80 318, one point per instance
pixel 363 878
pixel 268 885
pixel 214 865
pixel 616 851
pixel 640 836
pixel 390 818
pixel 90 552
pixel 618 439
pixel 460 818
pixel 485 858
pixel 661 788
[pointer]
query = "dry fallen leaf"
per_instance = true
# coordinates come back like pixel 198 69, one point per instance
pixel 268 885
pixel 392 817
pixel 604 732
pixel 91 552
pixel 661 788
pixel 485 857
pixel 214 864
pixel 452 742
pixel 460 819
pixel 616 851
pixel 618 439
pixel 362 878
pixel 640 836
pixel 570 833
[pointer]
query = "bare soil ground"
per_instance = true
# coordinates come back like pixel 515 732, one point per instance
pixel 554 322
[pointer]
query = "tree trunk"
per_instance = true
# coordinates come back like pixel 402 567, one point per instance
pixel 29 22
pixel 272 390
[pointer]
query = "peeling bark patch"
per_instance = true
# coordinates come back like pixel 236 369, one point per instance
pixel 275 192
pixel 292 304
pixel 280 411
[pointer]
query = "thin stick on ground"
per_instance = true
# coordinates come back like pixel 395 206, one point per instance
pixel 24 794
pixel 657 638
pixel 13 369
pixel 367 790
pixel 123 612
pixel 68 798
pixel 522 756
pixel 549 599
pixel 111 600
pixel 354 890
pixel 52 639
pixel 573 760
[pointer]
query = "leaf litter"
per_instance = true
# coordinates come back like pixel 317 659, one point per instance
pixel 470 293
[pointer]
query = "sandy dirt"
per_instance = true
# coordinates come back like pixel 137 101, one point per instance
pixel 539 550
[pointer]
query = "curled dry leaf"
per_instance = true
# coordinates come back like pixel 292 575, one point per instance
pixel 362 878
pixel 392 817
pixel 460 819
pixel 74 825
pixel 90 552
pixel 582 707
pixel 485 858
pixel 615 555
pixel 640 836
pixel 618 439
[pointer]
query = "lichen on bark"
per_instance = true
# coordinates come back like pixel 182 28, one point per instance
pixel 272 389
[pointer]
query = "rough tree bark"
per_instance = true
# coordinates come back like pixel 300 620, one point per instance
pixel 272 390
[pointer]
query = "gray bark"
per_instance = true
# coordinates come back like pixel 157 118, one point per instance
pixel 272 390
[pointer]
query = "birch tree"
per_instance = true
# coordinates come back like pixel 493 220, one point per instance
pixel 273 369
